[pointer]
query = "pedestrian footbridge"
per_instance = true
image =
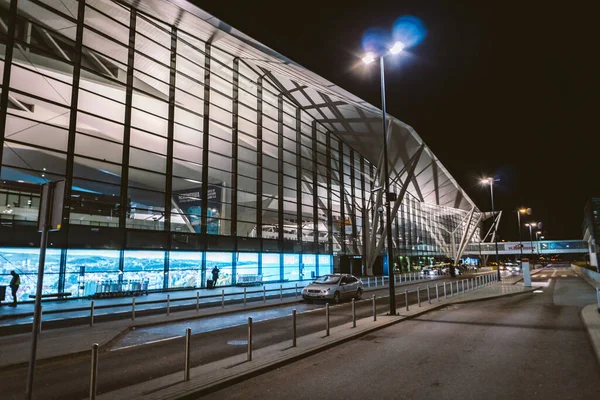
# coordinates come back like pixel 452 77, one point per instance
pixel 549 247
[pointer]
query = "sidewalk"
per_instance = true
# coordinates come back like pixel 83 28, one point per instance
pixel 67 342
pixel 590 315
pixel 212 376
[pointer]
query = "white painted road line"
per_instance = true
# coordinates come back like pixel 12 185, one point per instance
pixel 564 276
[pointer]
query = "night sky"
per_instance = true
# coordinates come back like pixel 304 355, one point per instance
pixel 500 88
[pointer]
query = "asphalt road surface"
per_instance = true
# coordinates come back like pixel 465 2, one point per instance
pixel 159 351
pixel 521 347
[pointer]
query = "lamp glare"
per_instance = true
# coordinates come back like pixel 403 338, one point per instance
pixel 397 48
pixel 368 59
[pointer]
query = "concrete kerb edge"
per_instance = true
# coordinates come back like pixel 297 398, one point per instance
pixel 242 376
pixel 590 316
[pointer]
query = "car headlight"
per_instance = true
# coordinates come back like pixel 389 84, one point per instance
pixel 325 291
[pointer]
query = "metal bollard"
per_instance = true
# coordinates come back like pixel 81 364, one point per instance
pixel 244 297
pixel 92 314
pixel 428 295
pixel 457 289
pixel 419 296
pixel 280 292
pixel 353 313
pixel 451 290
pixel 249 338
pixel 394 280
pixel 406 299
pixel 374 310
pixel 294 327
pixel 296 293
pixel 222 298
pixel 369 282
pixel 598 295
pixel 327 319
pixel 94 372
pixel 168 304
pixel 197 301
pixel 133 308
pixel 375 281
pixel 445 295
pixel 188 341
pixel 264 294
pixel 437 293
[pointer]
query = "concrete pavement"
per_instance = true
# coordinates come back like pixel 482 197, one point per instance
pixel 509 348
pixel 69 342
pixel 211 376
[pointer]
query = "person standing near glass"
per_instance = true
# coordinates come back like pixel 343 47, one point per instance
pixel 215 275
pixel 15 282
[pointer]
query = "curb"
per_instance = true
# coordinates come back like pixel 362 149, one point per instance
pixel 241 376
pixel 590 316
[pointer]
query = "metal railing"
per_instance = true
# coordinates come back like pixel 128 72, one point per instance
pixel 187 303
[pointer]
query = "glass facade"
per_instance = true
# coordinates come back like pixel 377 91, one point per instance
pixel 178 155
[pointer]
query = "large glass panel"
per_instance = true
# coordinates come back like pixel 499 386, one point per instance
pixel 87 270
pixel 270 267
pixel 223 261
pixel 325 264
pixel 308 266
pixel 25 261
pixel 144 267
pixel 247 266
pixel 291 267
pixel 185 268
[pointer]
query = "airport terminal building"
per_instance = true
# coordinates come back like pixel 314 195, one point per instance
pixel 186 144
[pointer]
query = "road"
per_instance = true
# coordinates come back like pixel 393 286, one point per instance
pixel 159 351
pixel 527 346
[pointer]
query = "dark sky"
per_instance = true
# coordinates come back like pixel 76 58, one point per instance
pixel 501 88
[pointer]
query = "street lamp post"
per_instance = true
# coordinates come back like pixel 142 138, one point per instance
pixel 530 225
pixel 490 181
pixel 519 212
pixel 397 48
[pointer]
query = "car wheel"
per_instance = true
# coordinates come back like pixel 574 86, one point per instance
pixel 336 297
pixel 358 294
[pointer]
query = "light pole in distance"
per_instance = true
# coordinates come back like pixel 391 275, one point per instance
pixel 490 181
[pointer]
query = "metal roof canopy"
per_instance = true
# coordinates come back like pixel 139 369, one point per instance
pixel 351 119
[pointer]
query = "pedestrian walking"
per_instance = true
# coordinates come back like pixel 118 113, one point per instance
pixel 15 282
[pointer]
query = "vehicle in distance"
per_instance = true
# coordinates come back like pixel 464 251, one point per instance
pixel 334 287
pixel 511 266
pixel 429 271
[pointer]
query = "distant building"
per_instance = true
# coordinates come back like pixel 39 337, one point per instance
pixel 591 227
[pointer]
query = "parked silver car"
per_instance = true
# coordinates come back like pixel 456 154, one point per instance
pixel 333 287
